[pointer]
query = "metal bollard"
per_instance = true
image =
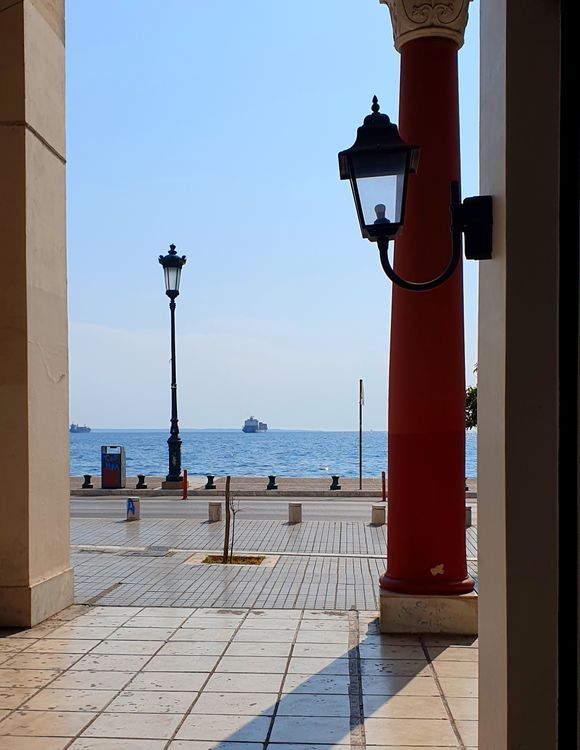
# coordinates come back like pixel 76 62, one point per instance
pixel 133 509
pixel 335 485
pixel 294 512
pixel 272 482
pixel 209 485
pixel 140 482
pixel 378 516
pixel 86 485
pixel 214 511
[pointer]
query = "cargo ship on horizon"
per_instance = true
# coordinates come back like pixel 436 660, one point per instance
pixel 79 428
pixel 254 425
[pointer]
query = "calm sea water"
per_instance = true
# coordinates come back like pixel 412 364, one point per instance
pixel 281 452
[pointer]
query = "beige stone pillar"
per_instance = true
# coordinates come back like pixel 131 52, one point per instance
pixel 35 573
pixel 518 377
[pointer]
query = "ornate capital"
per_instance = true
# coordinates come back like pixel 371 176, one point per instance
pixel 413 19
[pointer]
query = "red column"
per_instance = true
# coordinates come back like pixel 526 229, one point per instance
pixel 426 504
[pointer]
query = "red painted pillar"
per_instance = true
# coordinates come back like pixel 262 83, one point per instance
pixel 426 504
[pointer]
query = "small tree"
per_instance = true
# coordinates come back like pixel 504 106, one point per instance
pixel 471 405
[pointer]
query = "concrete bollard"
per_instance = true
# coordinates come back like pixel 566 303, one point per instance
pixel 140 482
pixel 294 512
pixel 214 511
pixel 133 509
pixel 378 514
pixel 272 482
pixel 86 485
pixel 335 485
pixel 209 485
pixel 468 519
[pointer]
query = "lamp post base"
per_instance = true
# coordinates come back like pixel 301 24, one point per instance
pixel 420 613
pixel 172 484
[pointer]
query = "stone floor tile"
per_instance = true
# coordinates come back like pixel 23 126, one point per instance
pixel 142 634
pixel 331 650
pixel 412 732
pixel 128 647
pixel 152 702
pixel 90 620
pixel 45 723
pixel 77 632
pixel 13 697
pixel 323 636
pixel 166 611
pixel 111 662
pixel 232 682
pixel 3 713
pixel 181 664
pixel 275 614
pixel 220 612
pixel 269 623
pixel 459 687
pixel 393 639
pixel 56 699
pixel 254 664
pixel 304 704
pixel 325 615
pixel 463 708
pixel 33 743
pixel 15 645
pixel 167 621
pixel 112 611
pixel 390 651
pixel 467 731
pixel 25 660
pixel 453 653
pixel 92 680
pixel 193 648
pixel 203 623
pixel 243 648
pixel 404 707
pixel 308 729
pixel 145 726
pixel 180 681
pixel 207 745
pixel 237 704
pixel 314 665
pixel 466 669
pixel 194 634
pixel 98 743
pixel 220 728
pixel 62 646
pixel 399 685
pixel 410 667
pixel 316 684
pixel 255 635
pixel 26 678
pixel 447 641
pixel 330 624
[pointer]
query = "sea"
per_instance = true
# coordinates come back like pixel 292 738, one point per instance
pixel 285 453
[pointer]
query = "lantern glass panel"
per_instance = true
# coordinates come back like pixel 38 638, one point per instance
pixel 172 278
pixel 380 183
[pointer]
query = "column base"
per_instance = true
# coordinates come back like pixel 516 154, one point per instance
pixel 167 485
pixel 418 613
pixel 25 606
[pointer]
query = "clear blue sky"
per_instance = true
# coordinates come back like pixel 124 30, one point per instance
pixel 215 125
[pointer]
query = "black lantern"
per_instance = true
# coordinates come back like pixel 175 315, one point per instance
pixel 378 165
pixel 172 264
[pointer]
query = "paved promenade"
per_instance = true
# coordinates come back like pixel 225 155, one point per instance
pixel 316 564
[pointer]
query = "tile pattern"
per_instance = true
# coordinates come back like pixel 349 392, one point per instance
pixel 76 689
pixel 322 565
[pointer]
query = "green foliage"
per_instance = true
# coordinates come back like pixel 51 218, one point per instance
pixel 470 407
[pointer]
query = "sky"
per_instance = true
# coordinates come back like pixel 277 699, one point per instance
pixel 216 126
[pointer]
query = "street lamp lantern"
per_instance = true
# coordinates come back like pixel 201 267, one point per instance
pixel 172 264
pixel 378 165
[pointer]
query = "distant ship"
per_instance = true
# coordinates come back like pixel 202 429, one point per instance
pixel 253 425
pixel 79 428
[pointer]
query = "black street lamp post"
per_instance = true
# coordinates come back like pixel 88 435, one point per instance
pixel 172 265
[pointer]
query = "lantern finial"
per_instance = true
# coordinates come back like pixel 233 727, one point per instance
pixel 375 107
pixel 172 250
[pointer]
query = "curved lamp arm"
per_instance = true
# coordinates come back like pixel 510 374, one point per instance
pixel 424 286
